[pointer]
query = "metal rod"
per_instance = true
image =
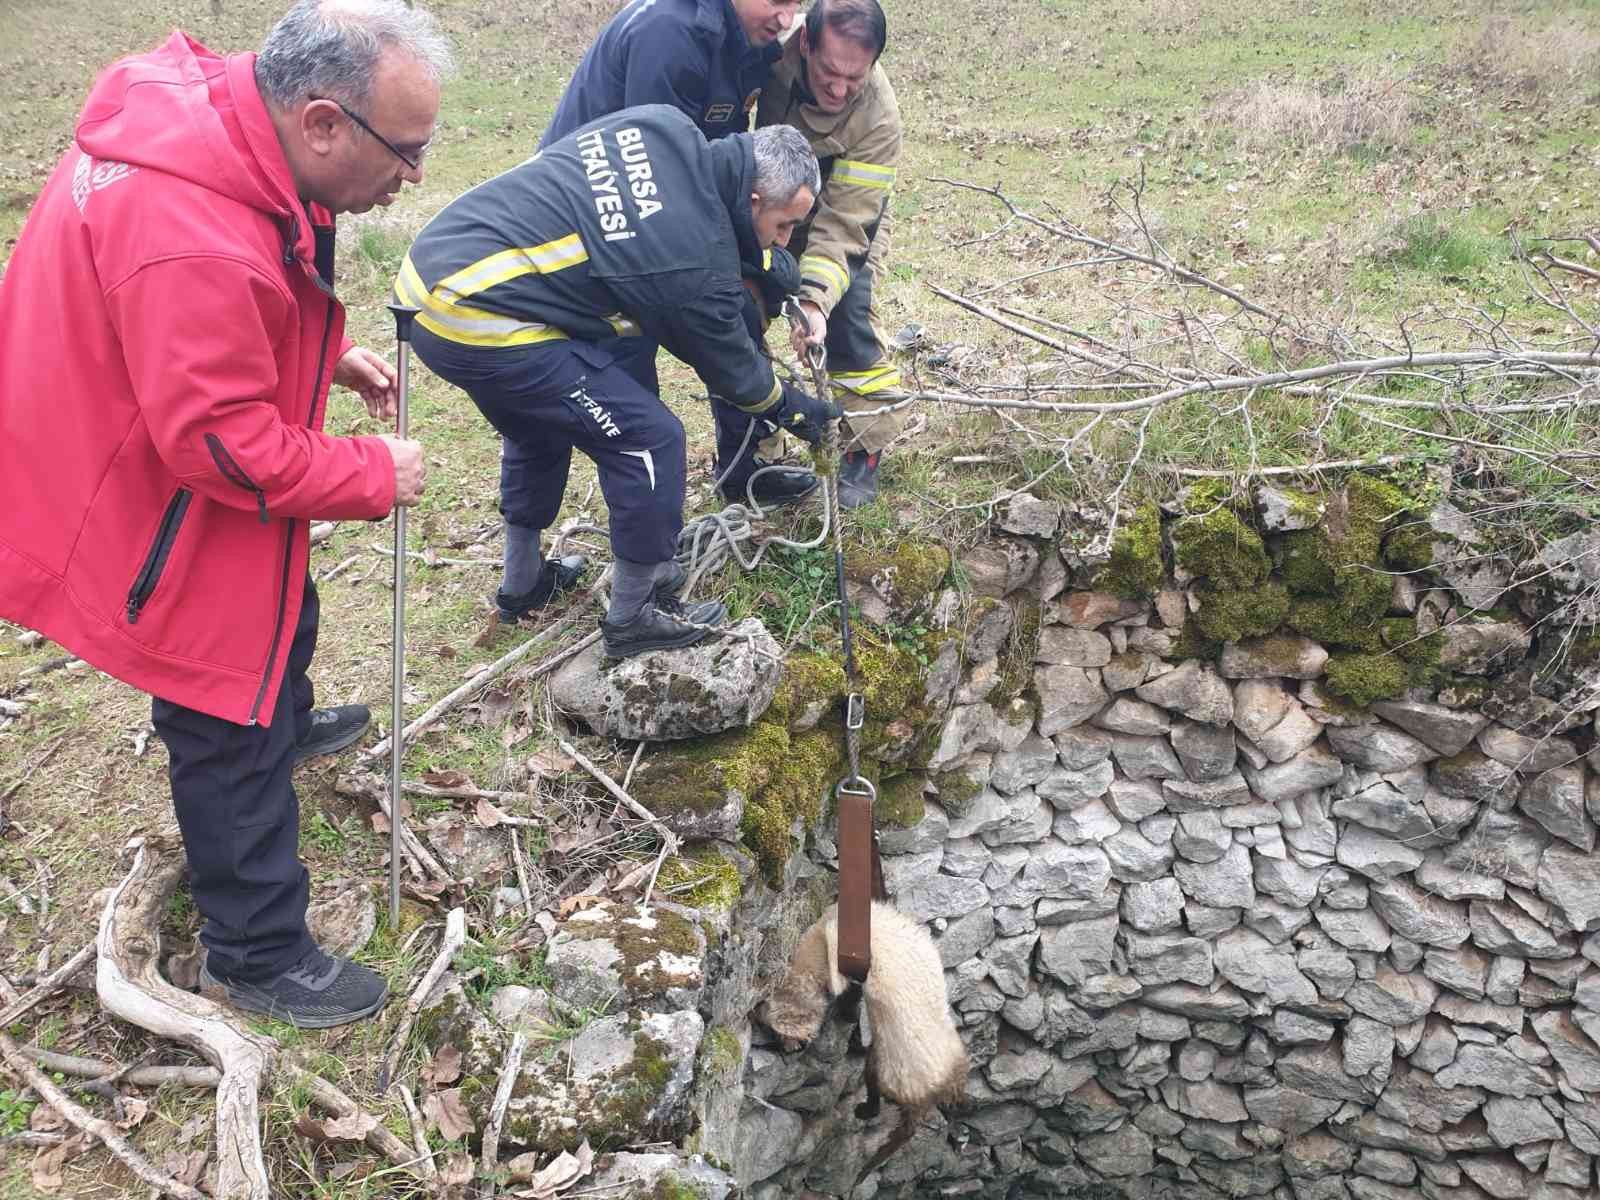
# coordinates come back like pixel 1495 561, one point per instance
pixel 403 316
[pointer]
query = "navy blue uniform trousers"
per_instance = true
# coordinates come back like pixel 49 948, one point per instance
pixel 599 397
pixel 240 819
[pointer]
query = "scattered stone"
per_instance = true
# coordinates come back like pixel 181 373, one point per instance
pixel 1312 768
pixel 1378 747
pixel 1555 799
pixel 1483 647
pixel 1207 752
pixel 1029 516
pixel 1571 881
pixel 1374 856
pixel 1068 696
pixel 1145 757
pixel 1061 644
pixel 1422 918
pixel 1523 753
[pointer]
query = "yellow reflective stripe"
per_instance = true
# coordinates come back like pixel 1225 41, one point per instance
pixel 464 324
pixel 766 259
pixel 773 397
pixel 623 326
pixel 831 272
pixel 512 264
pixel 862 174
pixel 864 383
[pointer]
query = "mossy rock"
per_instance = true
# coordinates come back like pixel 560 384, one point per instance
pixel 1228 616
pixel 1399 634
pixel 803 774
pixel 1220 547
pixel 813 683
pixel 1192 642
pixel 1325 619
pixel 959 787
pixel 721 1055
pixel 907 576
pixel 1362 678
pixel 1135 570
pixel 710 881
pixel 900 801
pixel 658 961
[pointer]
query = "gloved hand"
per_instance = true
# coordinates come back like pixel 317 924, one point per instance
pixel 802 414
pixel 768 286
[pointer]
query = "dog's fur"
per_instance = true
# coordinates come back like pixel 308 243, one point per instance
pixel 916 1057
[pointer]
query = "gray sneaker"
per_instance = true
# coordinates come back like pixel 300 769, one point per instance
pixel 318 992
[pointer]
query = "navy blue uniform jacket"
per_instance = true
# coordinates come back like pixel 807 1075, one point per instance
pixel 634 224
pixel 691 54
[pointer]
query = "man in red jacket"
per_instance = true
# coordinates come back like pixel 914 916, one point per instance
pixel 168 334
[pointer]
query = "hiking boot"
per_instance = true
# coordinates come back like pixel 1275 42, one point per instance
pixel 698 612
pixel 559 576
pixel 332 729
pixel 318 992
pixel 858 479
pixel 655 628
pixel 773 488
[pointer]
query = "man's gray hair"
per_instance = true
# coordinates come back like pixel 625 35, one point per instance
pixel 784 164
pixel 330 49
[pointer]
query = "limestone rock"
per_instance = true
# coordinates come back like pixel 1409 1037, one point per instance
pixel 725 682
pixel 1393 998
pixel 1445 730
pixel 1028 516
pixel 1571 881
pixel 1312 768
pixel 1145 757
pixel 1572 576
pixel 1226 883
pixel 1252 964
pixel 1296 732
pixel 1524 753
pixel 1258 705
pixel 1192 690
pixel 1422 918
pixel 1483 647
pixel 1555 799
pixel 1378 747
pixel 1068 696
pixel 1495 1069
pixel 1376 857
pixel 1283 656
pixel 1207 752
pixel 999 566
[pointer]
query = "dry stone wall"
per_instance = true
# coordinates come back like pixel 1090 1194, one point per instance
pixel 1213 931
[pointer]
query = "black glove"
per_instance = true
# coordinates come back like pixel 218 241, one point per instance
pixel 802 414
pixel 769 285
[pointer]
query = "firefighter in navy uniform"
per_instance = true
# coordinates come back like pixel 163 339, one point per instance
pixel 709 59
pixel 830 86
pixel 537 290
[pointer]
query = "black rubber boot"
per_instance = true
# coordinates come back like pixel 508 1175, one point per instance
pixel 318 992
pixel 559 576
pixel 858 479
pixel 655 628
pixel 332 729
pixel 774 488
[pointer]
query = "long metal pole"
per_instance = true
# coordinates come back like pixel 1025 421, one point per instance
pixel 403 316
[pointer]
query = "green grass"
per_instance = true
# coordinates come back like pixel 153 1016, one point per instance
pixel 1428 243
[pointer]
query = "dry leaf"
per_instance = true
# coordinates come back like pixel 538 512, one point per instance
pixel 517 732
pixel 353 1128
pixel 186 1168
pixel 379 821
pixel 48 1164
pixel 522 1167
pixel 446 1065
pixel 488 815
pixel 495 705
pixel 577 903
pixel 547 764
pixel 559 1175
pixel 486 638
pixel 447 779
pixel 446 1110
pixel 134 1110
pixel 45 1119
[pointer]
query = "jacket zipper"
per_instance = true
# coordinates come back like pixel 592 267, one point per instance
pixel 155 562
pixel 288 530
pixel 235 474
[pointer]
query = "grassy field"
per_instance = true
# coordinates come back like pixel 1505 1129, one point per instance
pixel 1355 161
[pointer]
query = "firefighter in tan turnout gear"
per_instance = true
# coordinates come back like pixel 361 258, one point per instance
pixel 830 86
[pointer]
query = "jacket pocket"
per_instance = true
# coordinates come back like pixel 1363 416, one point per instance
pixel 160 550
pixel 235 474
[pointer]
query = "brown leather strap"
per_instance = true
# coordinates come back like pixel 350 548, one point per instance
pixel 860 876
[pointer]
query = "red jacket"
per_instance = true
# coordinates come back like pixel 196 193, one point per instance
pixel 166 346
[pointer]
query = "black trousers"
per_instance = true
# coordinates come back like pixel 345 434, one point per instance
pixel 240 819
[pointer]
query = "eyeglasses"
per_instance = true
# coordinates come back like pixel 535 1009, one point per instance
pixel 413 163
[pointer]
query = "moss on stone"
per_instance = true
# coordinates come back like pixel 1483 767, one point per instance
pixel 1400 635
pixel 958 788
pixel 1228 615
pixel 1363 678
pixel 910 572
pixel 1220 547
pixel 1325 619
pixel 808 678
pixel 1192 642
pixel 1409 546
pixel 641 940
pixel 809 765
pixel 696 776
pixel 1134 570
pixel 900 804
pixel 721 1056
pixel 670 1187
pixel 709 880
pixel 1302 563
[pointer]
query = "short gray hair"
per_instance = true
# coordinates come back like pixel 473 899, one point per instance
pixel 784 164
pixel 331 48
